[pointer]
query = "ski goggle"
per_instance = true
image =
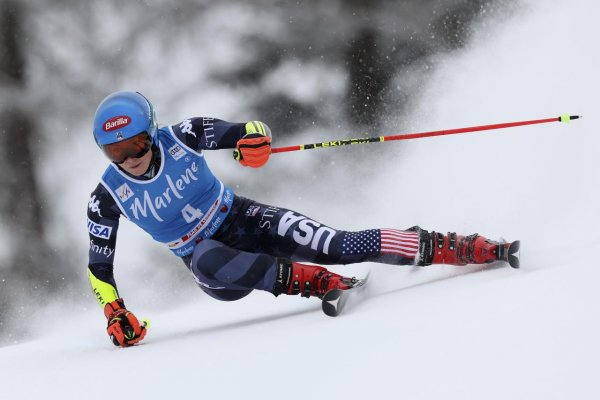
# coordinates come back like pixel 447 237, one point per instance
pixel 134 147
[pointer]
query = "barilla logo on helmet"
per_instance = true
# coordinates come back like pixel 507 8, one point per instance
pixel 116 123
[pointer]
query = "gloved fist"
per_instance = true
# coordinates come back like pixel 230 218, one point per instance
pixel 254 148
pixel 123 328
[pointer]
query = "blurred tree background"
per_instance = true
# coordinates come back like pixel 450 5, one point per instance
pixel 338 66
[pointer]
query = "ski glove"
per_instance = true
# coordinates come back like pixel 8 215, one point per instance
pixel 254 148
pixel 123 328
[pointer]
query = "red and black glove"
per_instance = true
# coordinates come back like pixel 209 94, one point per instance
pixel 123 328
pixel 254 148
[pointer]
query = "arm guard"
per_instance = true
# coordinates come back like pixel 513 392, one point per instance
pixel 105 292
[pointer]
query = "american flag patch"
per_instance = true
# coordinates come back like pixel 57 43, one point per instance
pixel 402 243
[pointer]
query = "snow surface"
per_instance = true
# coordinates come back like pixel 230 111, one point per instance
pixel 440 332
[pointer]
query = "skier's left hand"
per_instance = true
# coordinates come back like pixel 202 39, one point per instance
pixel 254 148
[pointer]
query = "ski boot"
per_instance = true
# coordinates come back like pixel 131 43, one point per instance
pixel 308 280
pixel 452 249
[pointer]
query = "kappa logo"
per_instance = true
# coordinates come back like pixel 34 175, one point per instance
pixel 186 127
pixel 116 123
pixel 177 152
pixel 99 230
pixel 94 205
pixel 124 192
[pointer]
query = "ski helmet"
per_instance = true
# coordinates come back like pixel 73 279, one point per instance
pixel 123 115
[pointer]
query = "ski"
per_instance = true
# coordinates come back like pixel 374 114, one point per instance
pixel 335 300
pixel 511 253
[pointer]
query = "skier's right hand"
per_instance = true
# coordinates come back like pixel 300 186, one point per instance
pixel 254 148
pixel 123 327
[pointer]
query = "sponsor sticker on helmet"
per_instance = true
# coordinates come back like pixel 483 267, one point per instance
pixel 116 123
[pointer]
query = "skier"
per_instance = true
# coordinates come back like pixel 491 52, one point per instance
pixel 158 179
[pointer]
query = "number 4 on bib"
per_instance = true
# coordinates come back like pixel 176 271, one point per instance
pixel 190 213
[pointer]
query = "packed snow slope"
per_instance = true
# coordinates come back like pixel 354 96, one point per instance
pixel 437 332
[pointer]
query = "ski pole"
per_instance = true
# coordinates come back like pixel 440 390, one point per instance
pixel 343 142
